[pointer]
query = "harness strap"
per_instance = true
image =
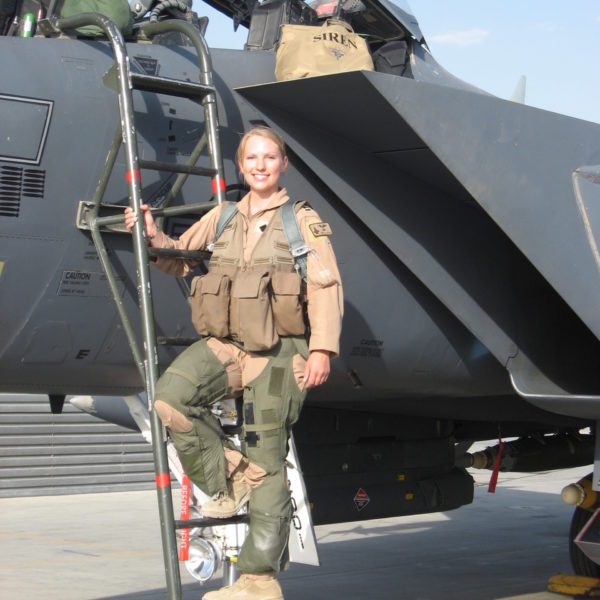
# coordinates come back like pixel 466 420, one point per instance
pixel 227 213
pixel 298 246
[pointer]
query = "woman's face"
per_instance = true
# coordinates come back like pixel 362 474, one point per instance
pixel 262 164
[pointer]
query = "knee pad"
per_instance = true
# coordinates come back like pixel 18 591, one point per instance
pixel 172 418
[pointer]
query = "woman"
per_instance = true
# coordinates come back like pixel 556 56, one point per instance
pixel 253 308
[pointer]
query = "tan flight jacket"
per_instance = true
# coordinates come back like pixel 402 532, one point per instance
pixel 324 294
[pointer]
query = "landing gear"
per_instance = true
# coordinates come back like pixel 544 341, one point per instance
pixel 582 565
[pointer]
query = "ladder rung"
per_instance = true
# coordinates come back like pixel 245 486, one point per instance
pixel 191 523
pixel 175 168
pixel 171 87
pixel 182 254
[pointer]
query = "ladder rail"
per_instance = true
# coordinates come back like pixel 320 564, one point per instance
pixel 150 362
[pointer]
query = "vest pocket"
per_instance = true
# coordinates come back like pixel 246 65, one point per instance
pixel 210 304
pixel 256 324
pixel 287 304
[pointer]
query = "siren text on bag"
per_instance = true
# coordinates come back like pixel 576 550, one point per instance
pixel 305 51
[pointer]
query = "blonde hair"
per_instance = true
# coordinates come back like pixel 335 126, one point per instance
pixel 262 131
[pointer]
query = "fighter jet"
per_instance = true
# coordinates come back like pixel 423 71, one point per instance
pixel 466 228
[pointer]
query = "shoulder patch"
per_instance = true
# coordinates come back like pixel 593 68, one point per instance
pixel 320 229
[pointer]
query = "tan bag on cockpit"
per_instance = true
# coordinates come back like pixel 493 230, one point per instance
pixel 305 50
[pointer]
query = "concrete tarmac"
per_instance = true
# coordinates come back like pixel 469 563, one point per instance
pixel 107 546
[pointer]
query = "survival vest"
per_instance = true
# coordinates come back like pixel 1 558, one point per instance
pixel 256 302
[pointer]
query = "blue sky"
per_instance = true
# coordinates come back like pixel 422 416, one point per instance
pixel 491 43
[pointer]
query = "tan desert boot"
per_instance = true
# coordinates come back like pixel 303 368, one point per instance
pixel 249 587
pixel 227 505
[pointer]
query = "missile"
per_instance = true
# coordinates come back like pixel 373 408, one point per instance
pixel 531 454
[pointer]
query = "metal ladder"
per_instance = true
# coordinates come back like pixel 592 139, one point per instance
pixel 97 217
